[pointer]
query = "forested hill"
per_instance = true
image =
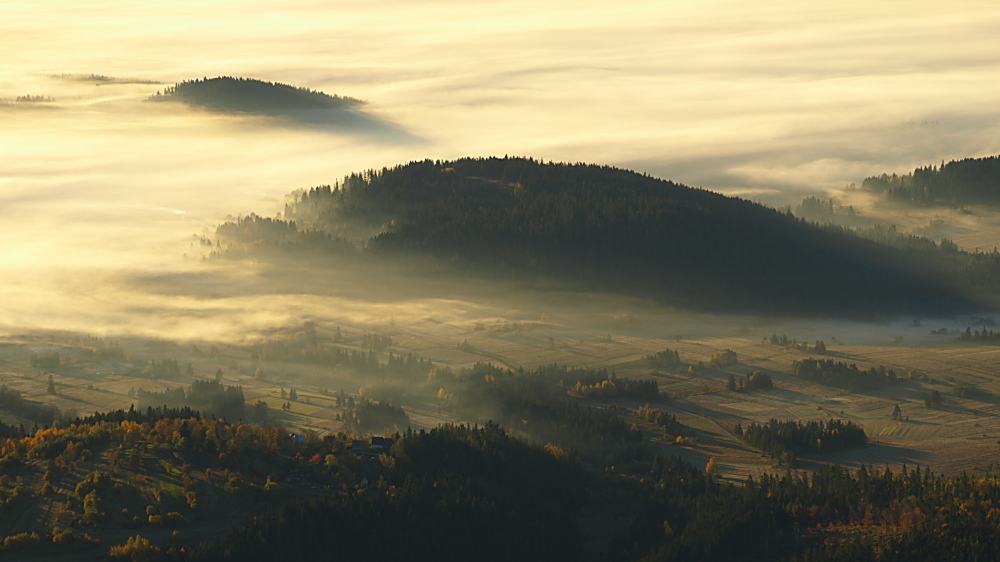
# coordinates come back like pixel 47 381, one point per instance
pixel 959 182
pixel 612 229
pixel 248 95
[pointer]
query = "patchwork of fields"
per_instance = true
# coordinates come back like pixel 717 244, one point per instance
pixel 962 434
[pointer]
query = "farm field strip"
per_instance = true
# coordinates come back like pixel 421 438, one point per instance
pixel 614 361
pixel 748 407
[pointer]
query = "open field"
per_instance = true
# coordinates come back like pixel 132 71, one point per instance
pixel 971 227
pixel 962 435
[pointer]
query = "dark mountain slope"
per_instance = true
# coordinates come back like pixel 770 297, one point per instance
pixel 611 229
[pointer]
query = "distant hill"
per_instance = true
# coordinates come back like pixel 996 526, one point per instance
pixel 598 227
pixel 959 182
pixel 248 95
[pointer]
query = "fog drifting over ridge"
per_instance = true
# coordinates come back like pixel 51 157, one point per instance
pixel 99 187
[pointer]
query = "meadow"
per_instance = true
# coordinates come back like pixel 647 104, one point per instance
pixel 961 434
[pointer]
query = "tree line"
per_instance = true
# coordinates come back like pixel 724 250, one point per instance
pixel 841 375
pixel 958 182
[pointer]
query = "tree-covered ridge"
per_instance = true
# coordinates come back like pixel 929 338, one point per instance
pixel 248 95
pixel 959 182
pixel 612 229
pixel 155 470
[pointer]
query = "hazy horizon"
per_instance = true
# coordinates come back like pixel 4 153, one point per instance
pixel 99 187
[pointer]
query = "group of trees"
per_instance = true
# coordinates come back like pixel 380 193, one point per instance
pixel 255 236
pixel 933 399
pixel 45 359
pixel 164 369
pixel 209 396
pixel 756 380
pixel 666 421
pixel 841 375
pixel 783 440
pixel 533 404
pixel 818 348
pixel 371 416
pixel 725 358
pixel 32 99
pixel 96 349
pixel 968 391
pixel 376 342
pixel 663 359
pixel 624 387
pixel 988 337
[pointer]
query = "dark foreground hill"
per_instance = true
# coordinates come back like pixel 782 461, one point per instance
pixel 603 228
pixel 159 486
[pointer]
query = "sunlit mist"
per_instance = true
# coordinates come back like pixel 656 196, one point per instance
pixel 101 189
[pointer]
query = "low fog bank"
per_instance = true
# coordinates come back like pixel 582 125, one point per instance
pixel 101 190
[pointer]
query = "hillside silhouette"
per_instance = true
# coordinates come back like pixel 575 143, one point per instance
pixel 603 228
pixel 290 105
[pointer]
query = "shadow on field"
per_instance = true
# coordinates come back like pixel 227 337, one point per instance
pixel 871 455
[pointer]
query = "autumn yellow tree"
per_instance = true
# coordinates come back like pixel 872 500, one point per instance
pixel 712 468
